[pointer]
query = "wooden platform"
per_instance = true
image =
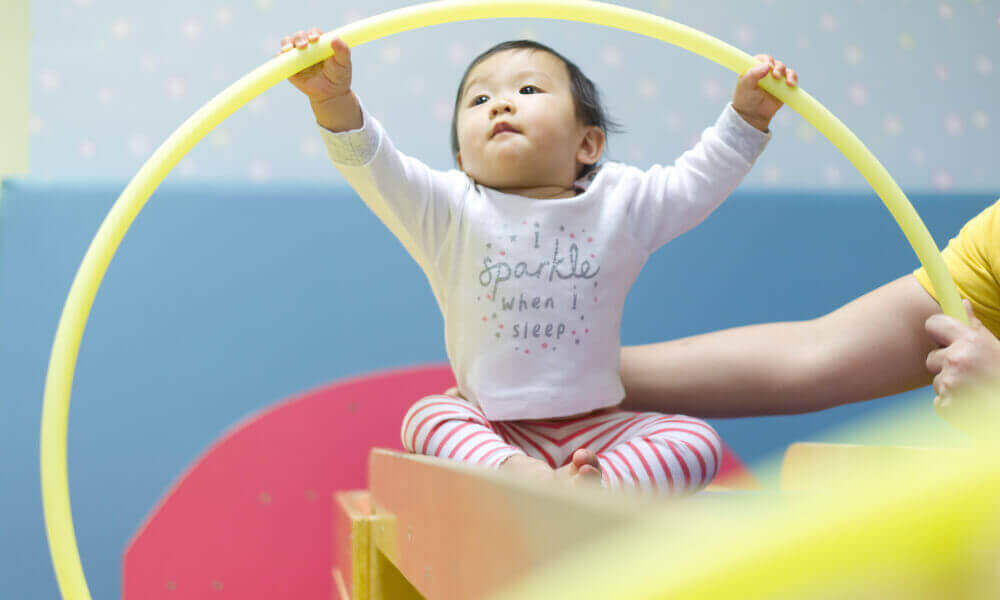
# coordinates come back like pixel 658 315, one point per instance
pixel 436 529
pixel 459 532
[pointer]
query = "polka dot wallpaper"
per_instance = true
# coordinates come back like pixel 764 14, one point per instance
pixel 916 80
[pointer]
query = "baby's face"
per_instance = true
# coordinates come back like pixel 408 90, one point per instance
pixel 516 123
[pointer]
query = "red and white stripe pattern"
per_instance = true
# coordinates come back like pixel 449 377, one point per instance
pixel 665 454
pixel 452 428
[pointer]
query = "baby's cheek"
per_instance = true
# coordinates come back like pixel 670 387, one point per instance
pixel 557 141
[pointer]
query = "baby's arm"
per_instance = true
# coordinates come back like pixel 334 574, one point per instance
pixel 415 202
pixel 672 199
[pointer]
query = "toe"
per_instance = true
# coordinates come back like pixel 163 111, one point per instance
pixel 565 472
pixel 588 476
pixel 585 457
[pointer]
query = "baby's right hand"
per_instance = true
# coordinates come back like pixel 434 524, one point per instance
pixel 321 81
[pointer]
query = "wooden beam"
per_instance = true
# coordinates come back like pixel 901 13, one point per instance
pixel 352 542
pixel 459 532
pixel 363 573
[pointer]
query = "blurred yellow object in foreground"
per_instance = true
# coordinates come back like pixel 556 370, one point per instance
pixel 866 522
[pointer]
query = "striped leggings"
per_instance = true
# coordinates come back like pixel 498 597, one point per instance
pixel 665 454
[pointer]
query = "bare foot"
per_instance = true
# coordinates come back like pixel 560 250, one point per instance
pixel 527 467
pixel 583 469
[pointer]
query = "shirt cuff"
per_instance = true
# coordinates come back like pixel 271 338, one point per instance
pixel 741 136
pixel 353 148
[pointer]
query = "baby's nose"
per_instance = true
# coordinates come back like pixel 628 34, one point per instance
pixel 502 106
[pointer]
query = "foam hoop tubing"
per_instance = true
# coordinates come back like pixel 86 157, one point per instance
pixel 62 362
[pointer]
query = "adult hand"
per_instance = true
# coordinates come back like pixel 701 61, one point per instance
pixel 966 371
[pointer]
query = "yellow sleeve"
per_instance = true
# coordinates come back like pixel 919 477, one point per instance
pixel 973 259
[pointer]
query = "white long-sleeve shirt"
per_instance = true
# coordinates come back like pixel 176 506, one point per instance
pixel 532 290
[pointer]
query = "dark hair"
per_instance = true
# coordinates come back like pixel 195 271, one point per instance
pixel 586 99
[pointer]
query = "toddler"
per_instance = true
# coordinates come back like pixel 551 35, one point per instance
pixel 530 248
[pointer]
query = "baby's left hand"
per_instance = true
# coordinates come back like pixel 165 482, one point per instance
pixel 755 105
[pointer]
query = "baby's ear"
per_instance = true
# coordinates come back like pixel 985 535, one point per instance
pixel 591 146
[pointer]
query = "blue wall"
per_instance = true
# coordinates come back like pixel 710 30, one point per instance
pixel 227 297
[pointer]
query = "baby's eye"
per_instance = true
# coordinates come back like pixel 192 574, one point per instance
pixel 529 89
pixel 480 99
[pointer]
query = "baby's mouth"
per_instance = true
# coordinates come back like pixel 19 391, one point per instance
pixel 501 128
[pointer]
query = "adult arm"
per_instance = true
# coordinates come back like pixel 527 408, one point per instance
pixel 874 346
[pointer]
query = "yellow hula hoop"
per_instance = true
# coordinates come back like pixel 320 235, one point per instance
pixel 59 379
